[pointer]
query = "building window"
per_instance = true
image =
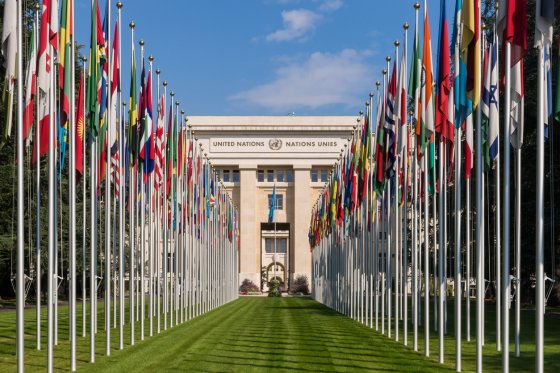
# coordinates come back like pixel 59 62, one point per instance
pixel 314 176
pixel 235 175
pixel 280 176
pixel 290 176
pixel 324 175
pixel 270 176
pixel 226 176
pixel 281 245
pixel 260 176
pixel 279 201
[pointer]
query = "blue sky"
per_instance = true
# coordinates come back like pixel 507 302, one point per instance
pixel 265 57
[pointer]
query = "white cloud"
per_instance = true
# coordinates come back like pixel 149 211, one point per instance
pixel 322 79
pixel 330 5
pixel 297 23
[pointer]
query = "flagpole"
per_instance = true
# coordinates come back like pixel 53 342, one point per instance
pixel 142 170
pixel 52 227
pixel 38 189
pixel 539 257
pixel 122 190
pixel 165 219
pixel 479 227
pixel 416 211
pixel 72 201
pixel 498 264
pixel 404 147
pixel 20 287
pixel 376 230
pixel 132 195
pixel 150 235
pixel 397 245
pixel 506 290
pixel 457 234
pixel 161 106
pixel 108 194
pixel 84 206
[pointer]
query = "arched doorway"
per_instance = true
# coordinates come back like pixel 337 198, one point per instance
pixel 276 271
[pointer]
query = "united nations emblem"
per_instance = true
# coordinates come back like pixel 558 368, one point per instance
pixel 275 144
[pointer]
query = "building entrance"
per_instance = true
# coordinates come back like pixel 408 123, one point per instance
pixel 275 254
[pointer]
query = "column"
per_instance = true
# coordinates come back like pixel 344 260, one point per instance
pixel 249 255
pixel 302 214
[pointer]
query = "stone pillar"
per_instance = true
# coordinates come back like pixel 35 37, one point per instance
pixel 249 253
pixel 302 214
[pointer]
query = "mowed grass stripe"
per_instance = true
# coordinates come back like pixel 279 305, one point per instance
pixel 267 334
pixel 256 334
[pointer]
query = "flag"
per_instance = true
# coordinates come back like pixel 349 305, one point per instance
pixel 169 151
pixel 390 124
pixel 425 128
pixel 490 96
pixel 79 123
pixel 470 43
pixel 93 107
pixel 65 75
pixel 44 82
pixel 132 111
pixel 159 148
pixel 513 22
pixel 402 109
pixel 114 128
pixel 443 83
pixel 146 143
pixel 469 144
pixel 9 53
pixel 272 206
pixel 30 85
pixel 543 38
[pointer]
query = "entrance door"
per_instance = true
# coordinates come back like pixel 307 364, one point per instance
pixel 274 258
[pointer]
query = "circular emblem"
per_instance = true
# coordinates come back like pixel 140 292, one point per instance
pixel 275 144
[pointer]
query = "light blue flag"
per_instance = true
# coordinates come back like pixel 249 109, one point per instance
pixel 272 206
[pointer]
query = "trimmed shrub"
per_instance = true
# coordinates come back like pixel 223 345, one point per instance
pixel 248 286
pixel 300 285
pixel 274 288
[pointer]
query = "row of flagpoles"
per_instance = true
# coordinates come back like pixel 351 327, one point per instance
pixel 379 231
pixel 170 226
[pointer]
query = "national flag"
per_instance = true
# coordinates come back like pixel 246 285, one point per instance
pixel 469 144
pixel 159 148
pixel 94 71
pixel 133 111
pixel 443 83
pixel 9 53
pixel 414 83
pixel 402 105
pixel 45 65
pixel 30 85
pixel 169 150
pixel 470 43
pixel 212 198
pixel 272 206
pixel 390 145
pixel 114 128
pixel 80 127
pixel 147 150
pixel 490 96
pixel 513 22
pixel 426 127
pixel 65 57
pixel 543 38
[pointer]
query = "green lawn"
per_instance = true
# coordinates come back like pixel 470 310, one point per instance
pixel 256 334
